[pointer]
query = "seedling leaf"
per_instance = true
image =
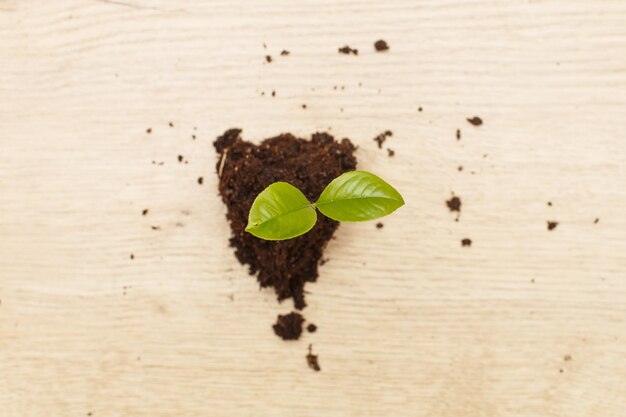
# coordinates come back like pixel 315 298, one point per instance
pixel 280 212
pixel 358 196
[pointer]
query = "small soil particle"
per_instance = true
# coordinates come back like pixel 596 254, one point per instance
pixel 596 220
pixel 347 50
pixel 458 134
pixel 284 52
pixel 268 58
pixel 149 130
pixel 419 109
pixel 550 203
pixel 247 169
pixel 171 124
pixel 200 180
pixel 390 152
pixel 379 225
pixel 304 106
pixel 132 256
pixel 311 328
pixel 460 168
pixel 380 139
pixel 145 212
pixel 193 137
pixel 552 225
pixel 466 242
pixel 289 326
pixel 313 360
pixel 273 93
pixel 156 227
pixel 381 45
pixel 567 358
pixel 180 158
pixel 454 204
pixel 475 121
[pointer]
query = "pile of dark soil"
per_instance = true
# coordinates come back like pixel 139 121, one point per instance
pixel 246 169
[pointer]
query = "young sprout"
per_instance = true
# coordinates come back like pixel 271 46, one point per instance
pixel 282 212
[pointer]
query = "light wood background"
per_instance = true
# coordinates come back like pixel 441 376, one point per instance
pixel 526 322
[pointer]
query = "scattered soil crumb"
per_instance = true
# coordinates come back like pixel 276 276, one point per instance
pixel 596 220
pixel 273 93
pixel 180 158
pixel 193 137
pixel 381 45
pixel 379 225
pixel 312 360
pixel 311 328
pixel 454 204
pixel 567 358
pixel 156 227
pixel 323 261
pixel 552 225
pixel 380 139
pixel 284 52
pixel 550 203
pixel 475 121
pixel 248 169
pixel 264 45
pixel 149 130
pixel 420 109
pixel 132 256
pixel 458 134
pixel 532 280
pixel 158 163
pixel 390 152
pixel 460 168
pixel 347 50
pixel 171 124
pixel 485 155
pixel 268 58
pixel 304 106
pixel 200 180
pixel 466 242
pixel 289 326
pixel 145 212
pixel 561 371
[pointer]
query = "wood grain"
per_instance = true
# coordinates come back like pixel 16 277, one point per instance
pixel 410 323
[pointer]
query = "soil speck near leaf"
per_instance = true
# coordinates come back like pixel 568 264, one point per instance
pixel 458 134
pixel 171 124
pixel 379 225
pixel 381 45
pixel 475 121
pixel 552 225
pixel 380 139
pixel 149 130
pixel 289 326
pixel 347 50
pixel 313 360
pixel 284 52
pixel 145 212
pixel 596 220
pixel 268 58
pixel 311 328
pixel 247 169
pixel 391 152
pixel 466 242
pixel 200 180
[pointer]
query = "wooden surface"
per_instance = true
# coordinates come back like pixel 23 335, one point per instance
pixel 526 322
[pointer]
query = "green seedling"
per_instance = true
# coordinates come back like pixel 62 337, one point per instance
pixel 282 212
